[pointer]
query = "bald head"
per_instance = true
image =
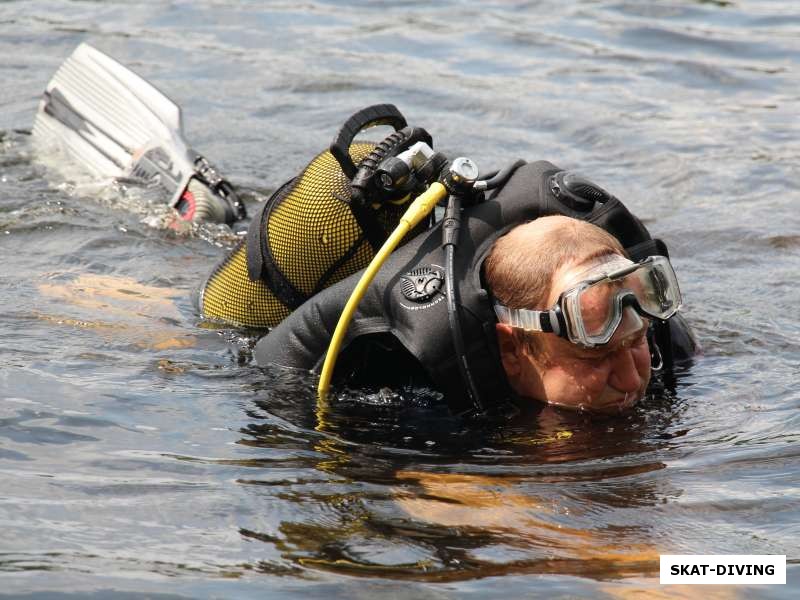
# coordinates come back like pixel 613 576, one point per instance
pixel 528 268
pixel 522 264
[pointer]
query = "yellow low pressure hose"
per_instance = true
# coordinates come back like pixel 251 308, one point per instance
pixel 419 209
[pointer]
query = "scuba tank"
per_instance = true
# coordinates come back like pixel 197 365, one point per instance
pixel 319 227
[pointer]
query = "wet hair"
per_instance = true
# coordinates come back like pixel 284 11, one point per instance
pixel 520 267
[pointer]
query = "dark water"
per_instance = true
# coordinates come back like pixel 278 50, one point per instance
pixel 143 455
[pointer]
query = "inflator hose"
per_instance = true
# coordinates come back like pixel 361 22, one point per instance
pixel 451 225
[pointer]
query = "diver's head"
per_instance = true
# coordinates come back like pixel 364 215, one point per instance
pixel 530 268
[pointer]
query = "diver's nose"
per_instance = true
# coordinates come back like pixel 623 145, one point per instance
pixel 624 375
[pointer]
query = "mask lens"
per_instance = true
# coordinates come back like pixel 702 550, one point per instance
pixel 599 311
pixel 655 288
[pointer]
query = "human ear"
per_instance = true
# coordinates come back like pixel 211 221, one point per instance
pixel 509 355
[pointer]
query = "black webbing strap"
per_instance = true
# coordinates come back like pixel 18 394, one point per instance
pixel 260 263
pixel 324 281
pixel 368 222
pixel 255 262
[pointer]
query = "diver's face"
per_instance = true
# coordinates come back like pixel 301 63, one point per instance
pixel 606 379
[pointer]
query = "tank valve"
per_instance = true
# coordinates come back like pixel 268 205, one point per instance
pixel 461 175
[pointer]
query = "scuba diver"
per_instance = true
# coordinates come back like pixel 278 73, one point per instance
pixel 388 263
pixel 546 289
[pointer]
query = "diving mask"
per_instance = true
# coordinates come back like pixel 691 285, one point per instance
pixel 590 312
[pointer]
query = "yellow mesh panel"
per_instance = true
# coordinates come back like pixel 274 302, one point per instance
pixel 230 296
pixel 359 261
pixel 309 231
pixel 314 217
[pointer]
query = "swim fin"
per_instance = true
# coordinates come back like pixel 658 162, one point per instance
pixel 119 125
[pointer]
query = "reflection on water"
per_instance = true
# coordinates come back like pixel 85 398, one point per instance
pixel 143 454
pixel 465 503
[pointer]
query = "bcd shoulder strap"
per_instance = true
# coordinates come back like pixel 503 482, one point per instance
pixel 652 247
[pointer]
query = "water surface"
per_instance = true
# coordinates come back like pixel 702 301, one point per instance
pixel 144 455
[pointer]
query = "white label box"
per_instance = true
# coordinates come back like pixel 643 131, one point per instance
pixel 748 569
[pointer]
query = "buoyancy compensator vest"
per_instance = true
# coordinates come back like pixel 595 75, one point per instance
pixel 315 230
pixel 405 305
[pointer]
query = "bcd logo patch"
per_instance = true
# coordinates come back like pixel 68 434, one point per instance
pixel 422 287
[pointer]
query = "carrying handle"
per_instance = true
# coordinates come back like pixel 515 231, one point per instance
pixel 371 116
